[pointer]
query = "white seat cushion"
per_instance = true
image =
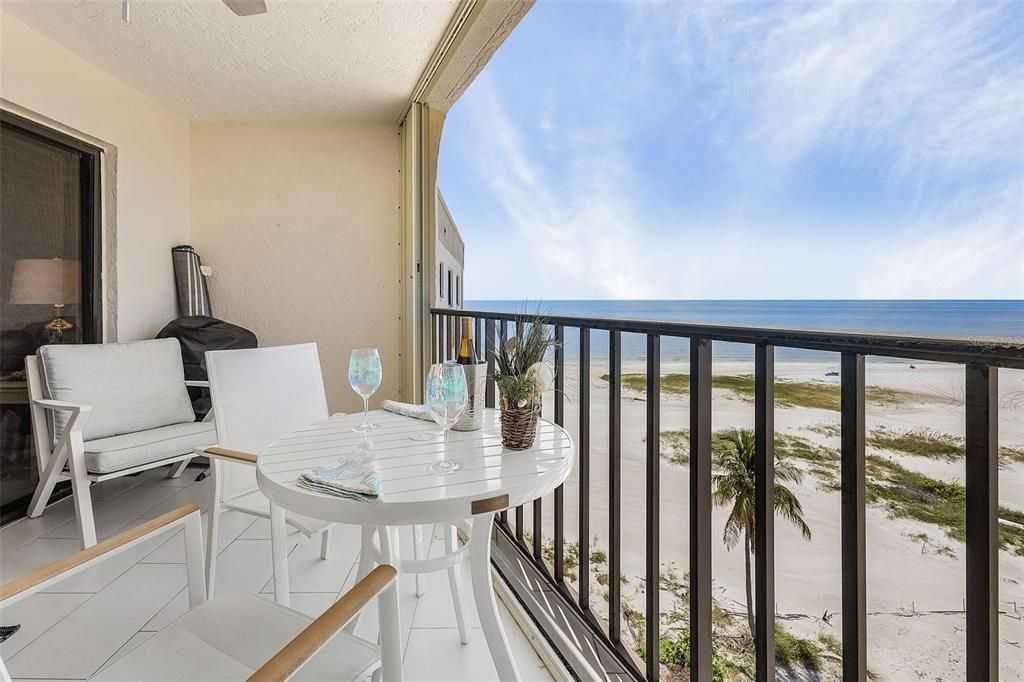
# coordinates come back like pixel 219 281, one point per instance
pixel 130 386
pixel 230 637
pixel 106 455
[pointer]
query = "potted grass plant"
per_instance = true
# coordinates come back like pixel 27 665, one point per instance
pixel 522 375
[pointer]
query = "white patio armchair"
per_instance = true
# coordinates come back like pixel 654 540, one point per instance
pixel 259 394
pixel 101 411
pixel 235 636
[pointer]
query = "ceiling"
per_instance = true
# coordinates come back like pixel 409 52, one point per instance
pixel 304 59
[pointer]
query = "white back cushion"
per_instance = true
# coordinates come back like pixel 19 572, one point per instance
pixel 130 386
pixel 259 394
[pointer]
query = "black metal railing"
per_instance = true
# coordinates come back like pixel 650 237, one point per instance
pixel 981 358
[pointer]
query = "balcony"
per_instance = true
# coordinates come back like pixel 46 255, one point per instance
pixel 298 153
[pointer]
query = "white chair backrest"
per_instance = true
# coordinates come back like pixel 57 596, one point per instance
pixel 259 394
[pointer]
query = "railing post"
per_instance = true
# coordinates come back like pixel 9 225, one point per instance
pixel 538 531
pixel 853 507
pixel 434 337
pixel 614 485
pixel 584 470
pixel 653 588
pixel 489 352
pixel 764 512
pixel 560 420
pixel 700 510
pixel 982 488
pixel 502 335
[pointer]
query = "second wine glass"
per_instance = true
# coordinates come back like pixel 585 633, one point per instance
pixel 446 397
pixel 364 376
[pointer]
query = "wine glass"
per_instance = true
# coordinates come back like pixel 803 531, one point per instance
pixel 364 376
pixel 447 395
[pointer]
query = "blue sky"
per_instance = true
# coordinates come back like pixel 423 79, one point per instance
pixel 710 150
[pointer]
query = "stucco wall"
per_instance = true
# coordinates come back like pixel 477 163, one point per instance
pixel 146 171
pixel 301 225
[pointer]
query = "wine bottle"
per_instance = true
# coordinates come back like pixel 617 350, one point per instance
pixel 467 351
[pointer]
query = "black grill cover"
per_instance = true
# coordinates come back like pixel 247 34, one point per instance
pixel 197 335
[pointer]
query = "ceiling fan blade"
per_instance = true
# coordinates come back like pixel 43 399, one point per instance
pixel 246 8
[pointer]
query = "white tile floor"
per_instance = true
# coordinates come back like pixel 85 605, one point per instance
pixel 74 629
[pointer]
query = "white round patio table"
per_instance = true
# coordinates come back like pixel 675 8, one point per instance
pixel 491 478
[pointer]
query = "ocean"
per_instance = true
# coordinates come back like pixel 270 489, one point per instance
pixel 960 318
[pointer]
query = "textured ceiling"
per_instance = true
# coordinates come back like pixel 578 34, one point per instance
pixel 304 59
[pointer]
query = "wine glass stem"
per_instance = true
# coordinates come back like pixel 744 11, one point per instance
pixel 366 411
pixel 446 441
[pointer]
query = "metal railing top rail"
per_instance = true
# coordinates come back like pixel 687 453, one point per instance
pixel 994 351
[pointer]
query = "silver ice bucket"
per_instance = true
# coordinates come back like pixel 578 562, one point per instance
pixel 476 379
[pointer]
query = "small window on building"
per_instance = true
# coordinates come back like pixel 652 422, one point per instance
pixel 458 291
pixel 450 301
pixel 440 281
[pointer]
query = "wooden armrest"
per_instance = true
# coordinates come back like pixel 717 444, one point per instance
pixel 61 405
pixel 197 383
pixel 294 655
pixel 66 564
pixel 224 453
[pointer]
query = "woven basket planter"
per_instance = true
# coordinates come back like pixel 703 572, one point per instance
pixel 519 426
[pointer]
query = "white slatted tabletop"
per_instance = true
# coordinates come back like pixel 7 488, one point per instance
pixel 409 493
pixel 491 478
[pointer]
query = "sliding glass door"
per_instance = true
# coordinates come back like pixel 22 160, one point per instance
pixel 49 275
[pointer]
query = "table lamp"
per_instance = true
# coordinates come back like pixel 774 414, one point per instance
pixel 49 281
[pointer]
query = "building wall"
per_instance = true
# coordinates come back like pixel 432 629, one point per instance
pixel 146 188
pixel 301 225
pixel 449 260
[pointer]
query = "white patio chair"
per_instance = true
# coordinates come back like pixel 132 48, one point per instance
pixel 109 410
pixel 259 394
pixel 234 637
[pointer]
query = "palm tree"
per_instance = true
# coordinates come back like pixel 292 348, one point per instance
pixel 734 450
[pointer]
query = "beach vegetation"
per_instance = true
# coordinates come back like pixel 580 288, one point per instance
pixel 674 653
pixel 792 651
pixel 816 394
pixel 734 486
pixel 829 430
pixel 831 643
pixel 923 442
pixel 919 442
pixel 675 446
pixel 909 494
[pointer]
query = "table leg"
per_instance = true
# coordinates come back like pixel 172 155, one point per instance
pixel 483 593
pixel 417 554
pixel 451 544
pixel 365 565
pixel 390 616
pixel 279 550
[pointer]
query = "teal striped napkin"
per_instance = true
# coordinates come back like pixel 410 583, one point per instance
pixel 355 477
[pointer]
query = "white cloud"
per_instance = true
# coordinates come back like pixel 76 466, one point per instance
pixel 973 252
pixel 586 237
pixel 938 86
pixel 928 97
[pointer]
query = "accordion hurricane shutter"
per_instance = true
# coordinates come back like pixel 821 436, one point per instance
pixel 130 386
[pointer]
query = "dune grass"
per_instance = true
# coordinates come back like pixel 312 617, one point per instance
pixel 932 444
pixel 792 651
pixel 909 494
pixel 816 394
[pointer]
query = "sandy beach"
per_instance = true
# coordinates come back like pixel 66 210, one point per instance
pixel 915 570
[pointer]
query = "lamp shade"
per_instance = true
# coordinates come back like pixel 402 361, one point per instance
pixel 45 281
